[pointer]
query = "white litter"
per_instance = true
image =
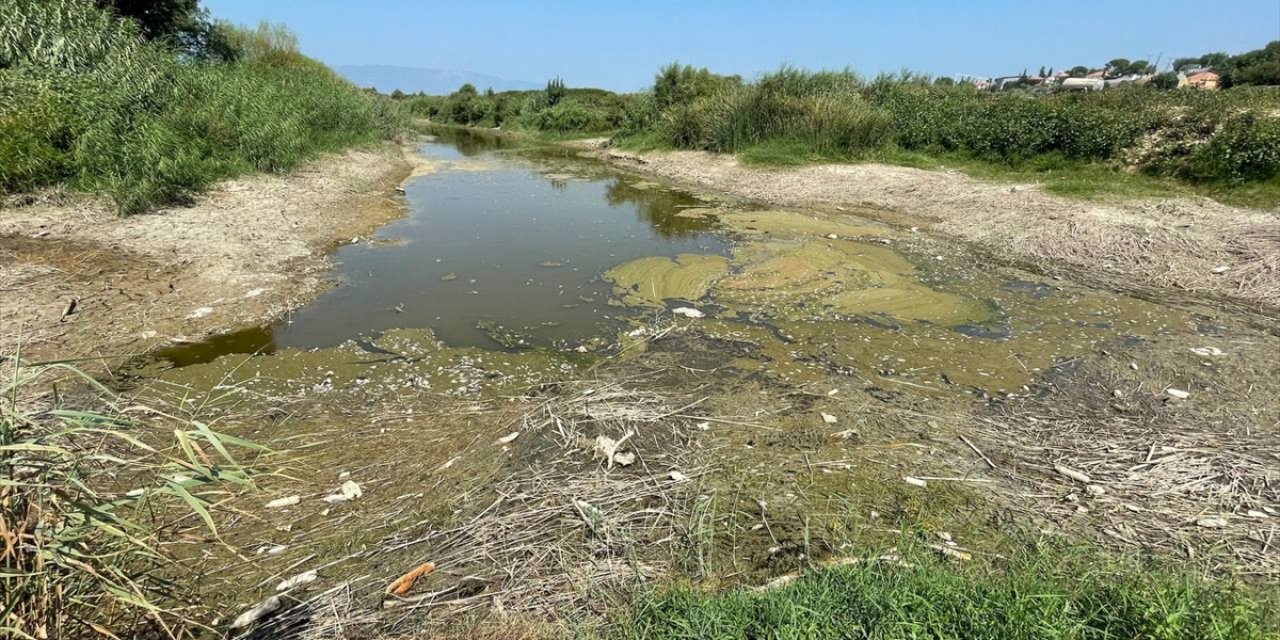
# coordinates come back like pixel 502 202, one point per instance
pixel 828 418
pixel 348 491
pixel 1078 476
pixel 1178 393
pixel 201 312
pixel 279 503
pixel 509 438
pixel 914 481
pixel 297 581
pixel 688 312
pixel 608 449
pixel 258 612
pixel 676 476
pixel 1208 351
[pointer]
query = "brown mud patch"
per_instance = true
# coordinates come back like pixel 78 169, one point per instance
pixel 1173 246
pixel 244 253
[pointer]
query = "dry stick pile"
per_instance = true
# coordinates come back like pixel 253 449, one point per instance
pixel 564 526
pixel 1188 483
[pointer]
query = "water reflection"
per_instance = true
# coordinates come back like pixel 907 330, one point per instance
pixel 659 207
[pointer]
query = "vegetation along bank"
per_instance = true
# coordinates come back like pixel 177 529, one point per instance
pixel 848 431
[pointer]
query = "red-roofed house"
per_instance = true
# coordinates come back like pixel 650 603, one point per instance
pixel 1206 80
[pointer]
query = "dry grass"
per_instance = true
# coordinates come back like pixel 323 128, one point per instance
pixel 562 527
pixel 1191 478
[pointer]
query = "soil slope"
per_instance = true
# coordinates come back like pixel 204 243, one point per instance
pixel 77 280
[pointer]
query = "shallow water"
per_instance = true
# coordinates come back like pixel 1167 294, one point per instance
pixel 504 248
pixel 495 240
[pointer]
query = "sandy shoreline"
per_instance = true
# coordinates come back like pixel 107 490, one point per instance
pixel 243 254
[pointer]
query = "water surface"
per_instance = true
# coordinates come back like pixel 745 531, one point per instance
pixel 499 239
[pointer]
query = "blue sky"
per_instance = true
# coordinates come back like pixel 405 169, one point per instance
pixel 619 45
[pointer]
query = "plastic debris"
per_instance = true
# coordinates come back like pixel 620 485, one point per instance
pixel 1068 472
pixel 688 312
pixel 1208 351
pixel 279 503
pixel 348 491
pixel 258 612
pixel 297 581
pixel 608 449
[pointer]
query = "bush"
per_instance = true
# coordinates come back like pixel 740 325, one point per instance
pixel 821 112
pixel 1247 148
pixel 567 116
pixel 87 101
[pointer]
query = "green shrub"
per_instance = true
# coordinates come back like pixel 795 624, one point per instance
pixel 1246 148
pixel 822 112
pixel 567 116
pixel 90 103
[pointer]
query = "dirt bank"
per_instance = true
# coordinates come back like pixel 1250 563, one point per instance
pixel 1188 245
pixel 77 280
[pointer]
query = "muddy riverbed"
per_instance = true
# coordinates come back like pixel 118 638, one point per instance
pixel 555 380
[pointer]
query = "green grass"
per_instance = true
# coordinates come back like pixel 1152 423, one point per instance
pixel 1085 180
pixel 784 153
pixel 86 101
pixel 1042 594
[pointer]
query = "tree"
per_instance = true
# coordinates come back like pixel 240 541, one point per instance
pixel 1166 80
pixel 1116 67
pixel 1257 67
pixel 1138 67
pixel 943 81
pixel 1215 61
pixel 1078 72
pixel 181 23
pixel 397 95
pixel 1042 74
pixel 555 91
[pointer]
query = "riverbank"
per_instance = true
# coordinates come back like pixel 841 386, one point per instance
pixel 1167 248
pixel 77 280
pixel 835 390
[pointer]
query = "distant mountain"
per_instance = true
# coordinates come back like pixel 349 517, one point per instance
pixel 387 78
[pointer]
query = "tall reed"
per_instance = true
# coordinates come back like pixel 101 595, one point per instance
pixel 88 489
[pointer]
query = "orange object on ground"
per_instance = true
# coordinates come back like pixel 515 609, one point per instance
pixel 404 584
